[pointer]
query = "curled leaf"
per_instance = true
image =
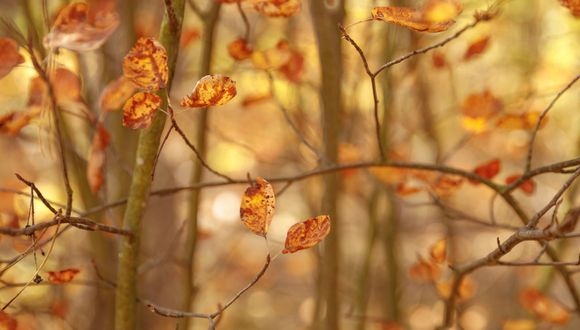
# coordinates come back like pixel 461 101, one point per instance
pixel 258 207
pixel 146 65
pixel 277 8
pixel 74 29
pixel 96 159
pixel 239 49
pixel 138 111
pixel 115 94
pixel 409 18
pixel 487 170
pixel 9 56
pixel 62 276
pixel 306 234
pixel 210 90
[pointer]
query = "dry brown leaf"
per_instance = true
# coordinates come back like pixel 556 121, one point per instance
pixel 96 159
pixel 9 56
pixel 73 29
pixel 210 90
pixel 139 110
pixel 258 207
pixel 306 234
pixel 146 65
pixel 409 18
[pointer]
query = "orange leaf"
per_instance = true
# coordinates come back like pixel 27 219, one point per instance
pixel 146 65
pixel 520 324
pixel 239 49
pixel 116 94
pixel 62 276
pixel 543 307
pixel 11 123
pixel 138 111
pixel 424 271
pixel 438 60
pixel 9 56
pixel 258 207
pixel 466 288
pixel 446 185
pixel 272 58
pixel 409 18
pixel 67 86
pixel 188 36
pixel 306 234
pixel 573 5
pixel 210 90
pixel 277 8
pixel 294 67
pixel 528 186
pixel 483 105
pixel 476 48
pixel 7 322
pixel 404 189
pixel 525 121
pixel 487 170
pixel 96 159
pixel 73 30
pixel 438 251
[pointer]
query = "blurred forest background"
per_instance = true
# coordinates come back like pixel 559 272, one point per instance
pixel 304 102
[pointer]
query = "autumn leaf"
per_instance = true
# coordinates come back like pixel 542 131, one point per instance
pixel 405 189
pixel 272 58
pixel 465 291
pixel 487 170
pixel 13 122
pixel 62 276
pixel 116 94
pixel 445 185
pixel 528 186
pixel 67 86
pixel 138 111
pixel 526 121
pixel 476 48
pixel 239 49
pixel 519 324
pixel 441 11
pixel 438 60
pixel 543 307
pixel 294 67
pixel 210 90
pixel 74 29
pixel 481 105
pixel 9 56
pixel 253 99
pixel 409 18
pixel 424 270
pixel 96 159
pixel 188 36
pixel 7 322
pixel 258 207
pixel 146 65
pixel 277 8
pixel 438 251
pixel 573 5
pixel 306 234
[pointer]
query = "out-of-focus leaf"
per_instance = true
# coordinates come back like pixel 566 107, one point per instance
pixel 543 307
pixel 9 56
pixel 482 105
pixel 188 36
pixel 138 111
pixel 487 170
pixel 438 60
pixel 306 234
pixel 116 94
pixel 253 99
pixel 11 123
pixel 525 121
pixel 210 90
pixel 62 276
pixel 294 68
pixel 409 18
pixel 277 8
pixel 272 58
pixel 476 48
pixel 7 322
pixel 445 185
pixel 73 29
pixel 573 5
pixel 424 270
pixel 67 86
pixel 146 65
pixel 96 159
pixel 520 324
pixel 239 49
pixel 474 125
pixel 438 251
pixel 441 11
pixel 466 288
pixel 528 186
pixel 258 207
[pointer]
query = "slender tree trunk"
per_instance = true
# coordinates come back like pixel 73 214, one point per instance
pixel 149 140
pixel 209 28
pixel 326 22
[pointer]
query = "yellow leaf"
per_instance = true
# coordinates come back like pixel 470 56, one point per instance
pixel 440 11
pixel 306 234
pixel 474 125
pixel 138 111
pixel 466 288
pixel 258 207
pixel 438 251
pixel 115 94
pixel 521 324
pixel 209 91
pixel 277 8
pixel 146 65
pixel 409 18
